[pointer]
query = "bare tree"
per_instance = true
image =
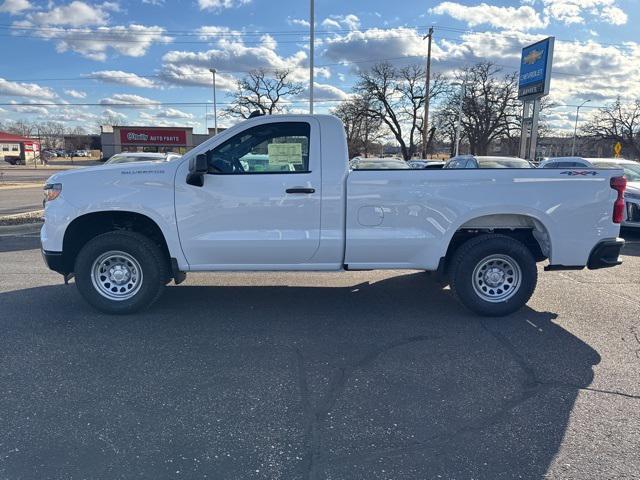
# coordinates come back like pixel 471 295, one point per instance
pixel 262 92
pixel 51 135
pixel 617 123
pixel 362 129
pixel 489 106
pixel 22 127
pixel 397 100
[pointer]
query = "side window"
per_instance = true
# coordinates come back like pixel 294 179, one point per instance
pixel 552 165
pixel 281 147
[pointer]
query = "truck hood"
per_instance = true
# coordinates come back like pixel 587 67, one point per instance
pixel 138 168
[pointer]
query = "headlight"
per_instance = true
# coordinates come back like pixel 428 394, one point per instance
pixel 52 191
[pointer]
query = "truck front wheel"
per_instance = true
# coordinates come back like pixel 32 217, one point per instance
pixel 120 272
pixel 493 275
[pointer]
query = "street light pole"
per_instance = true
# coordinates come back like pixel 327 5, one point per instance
pixel 312 32
pixel 575 128
pixel 427 81
pixel 215 107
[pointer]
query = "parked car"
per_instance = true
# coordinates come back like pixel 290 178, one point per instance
pixel 426 164
pixel 124 232
pixel 473 161
pixel 80 153
pixel 631 172
pixel 129 157
pixel 377 163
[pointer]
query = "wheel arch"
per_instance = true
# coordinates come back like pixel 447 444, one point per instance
pixel 524 227
pixel 88 226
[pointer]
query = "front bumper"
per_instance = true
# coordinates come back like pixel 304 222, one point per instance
pixel 606 254
pixel 54 260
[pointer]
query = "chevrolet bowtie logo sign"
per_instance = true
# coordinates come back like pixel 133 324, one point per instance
pixel 532 57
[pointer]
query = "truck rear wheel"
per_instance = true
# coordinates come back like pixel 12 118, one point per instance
pixel 120 272
pixel 493 275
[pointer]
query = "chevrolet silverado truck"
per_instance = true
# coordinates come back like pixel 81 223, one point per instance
pixel 275 193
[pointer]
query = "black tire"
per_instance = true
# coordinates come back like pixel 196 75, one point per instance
pixel 474 253
pixel 151 261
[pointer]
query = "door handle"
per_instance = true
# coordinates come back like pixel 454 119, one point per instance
pixel 300 190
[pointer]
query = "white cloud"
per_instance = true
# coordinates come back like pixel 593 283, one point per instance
pixel 614 15
pixel 15 7
pixel 128 100
pixel 123 78
pixel 173 113
pixel 375 44
pixel 575 11
pixel 75 14
pixel 349 22
pixel 108 112
pixel 298 22
pixel 30 90
pixel 75 93
pixel 232 55
pixel 323 91
pixel 33 109
pixel 213 32
pixel 187 75
pixel 508 18
pixel 132 40
pixel 217 5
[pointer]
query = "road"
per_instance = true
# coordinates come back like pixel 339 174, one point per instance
pixel 361 375
pixel 20 200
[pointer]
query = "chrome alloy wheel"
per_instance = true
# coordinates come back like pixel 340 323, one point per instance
pixel 116 275
pixel 496 278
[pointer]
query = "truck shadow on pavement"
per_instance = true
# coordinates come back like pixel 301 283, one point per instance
pixel 391 379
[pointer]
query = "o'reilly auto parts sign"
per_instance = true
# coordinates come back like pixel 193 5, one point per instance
pixel 535 69
pixel 145 136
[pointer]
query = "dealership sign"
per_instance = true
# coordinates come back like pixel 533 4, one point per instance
pixel 535 69
pixel 147 136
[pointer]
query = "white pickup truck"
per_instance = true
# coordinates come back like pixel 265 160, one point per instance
pixel 275 193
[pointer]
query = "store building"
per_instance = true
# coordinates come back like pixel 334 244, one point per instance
pixel 116 139
pixel 15 149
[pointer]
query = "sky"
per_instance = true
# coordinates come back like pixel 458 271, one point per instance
pixel 157 53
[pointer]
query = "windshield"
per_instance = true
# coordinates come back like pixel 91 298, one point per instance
pixel 380 164
pixel 631 170
pixel 131 158
pixel 503 163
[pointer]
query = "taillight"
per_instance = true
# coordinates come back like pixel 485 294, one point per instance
pixel 618 184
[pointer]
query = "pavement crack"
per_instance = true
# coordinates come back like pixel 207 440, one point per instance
pixel 315 416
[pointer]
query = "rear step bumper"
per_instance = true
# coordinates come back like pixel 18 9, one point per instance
pixel 605 254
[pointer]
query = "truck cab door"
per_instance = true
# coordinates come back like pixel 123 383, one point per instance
pixel 259 206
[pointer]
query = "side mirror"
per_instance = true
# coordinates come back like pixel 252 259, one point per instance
pixel 198 166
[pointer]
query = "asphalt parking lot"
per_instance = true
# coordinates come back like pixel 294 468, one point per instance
pixel 361 375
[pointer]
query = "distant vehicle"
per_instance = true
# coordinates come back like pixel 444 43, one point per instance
pixel 377 163
pixel 50 153
pixel 473 161
pixel 426 164
pixel 631 171
pixel 130 157
pixel 80 153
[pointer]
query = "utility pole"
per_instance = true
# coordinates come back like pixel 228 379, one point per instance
pixel 575 128
pixel 312 31
pixel 215 107
pixel 427 87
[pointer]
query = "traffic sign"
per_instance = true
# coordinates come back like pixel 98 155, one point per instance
pixel 617 148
